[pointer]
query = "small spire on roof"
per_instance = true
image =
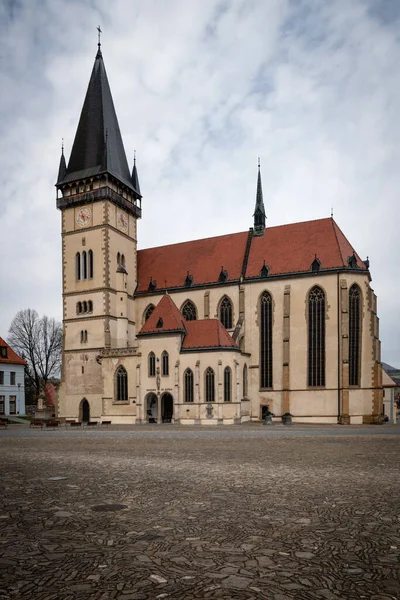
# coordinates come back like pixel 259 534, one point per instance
pixel 332 213
pixel 259 211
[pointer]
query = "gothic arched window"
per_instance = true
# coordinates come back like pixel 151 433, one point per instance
pixel 148 311
pixel 164 363
pixel 266 340
pixel 316 337
pixel 227 384
pixel 79 307
pixel 78 266
pixel 245 381
pixel 189 311
pixel 225 312
pixel 209 385
pixel 90 266
pixel 84 265
pixel 354 334
pixel 152 364
pixel 90 306
pixel 188 385
pixel 121 383
pixel 84 306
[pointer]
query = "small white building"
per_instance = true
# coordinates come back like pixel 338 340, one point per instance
pixel 388 396
pixel 12 381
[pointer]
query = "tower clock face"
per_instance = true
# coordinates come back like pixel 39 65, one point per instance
pixel 122 221
pixel 83 216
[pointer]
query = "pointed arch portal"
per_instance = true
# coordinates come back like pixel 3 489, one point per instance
pixel 84 411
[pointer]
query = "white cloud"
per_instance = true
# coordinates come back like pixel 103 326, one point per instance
pixel 201 89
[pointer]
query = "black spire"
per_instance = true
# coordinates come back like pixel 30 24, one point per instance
pixel 98 146
pixel 259 212
pixel 135 176
pixel 62 169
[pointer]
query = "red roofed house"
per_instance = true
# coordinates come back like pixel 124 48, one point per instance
pixel 207 331
pixel 12 378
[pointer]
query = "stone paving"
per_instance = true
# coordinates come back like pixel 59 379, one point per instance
pixel 157 512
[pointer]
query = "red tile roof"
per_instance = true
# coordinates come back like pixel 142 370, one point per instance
pixel 169 265
pixel 167 316
pixel 285 249
pixel 207 333
pixel 292 248
pixel 12 357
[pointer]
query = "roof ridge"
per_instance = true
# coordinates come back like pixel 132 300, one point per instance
pixel 333 223
pixel 214 237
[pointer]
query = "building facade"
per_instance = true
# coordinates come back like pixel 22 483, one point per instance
pixel 209 331
pixel 12 382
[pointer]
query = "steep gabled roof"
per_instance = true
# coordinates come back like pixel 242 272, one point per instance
pixel 169 265
pixel 98 146
pixel 12 357
pixel 166 317
pixel 286 249
pixel 292 248
pixel 207 334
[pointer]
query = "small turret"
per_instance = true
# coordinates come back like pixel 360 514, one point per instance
pixel 62 169
pixel 135 176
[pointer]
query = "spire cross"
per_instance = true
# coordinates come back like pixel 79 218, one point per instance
pixel 259 162
pixel 62 145
pixel 99 34
pixel 134 157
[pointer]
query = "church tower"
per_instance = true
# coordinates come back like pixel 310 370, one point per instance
pixel 100 203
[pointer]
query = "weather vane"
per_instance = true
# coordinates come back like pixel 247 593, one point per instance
pixel 99 34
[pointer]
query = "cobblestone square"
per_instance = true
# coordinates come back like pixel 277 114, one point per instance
pixel 156 512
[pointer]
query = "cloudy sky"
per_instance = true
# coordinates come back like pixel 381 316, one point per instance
pixel 202 88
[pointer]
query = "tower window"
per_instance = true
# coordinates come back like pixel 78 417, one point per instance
pixel 316 337
pixel 209 385
pixel 354 334
pixel 225 312
pixel 121 384
pixel 189 311
pixel 84 336
pixel 188 386
pixel 84 265
pixel 266 340
pixel 90 257
pixel 152 364
pixel 165 364
pixel 78 266
pixel 227 384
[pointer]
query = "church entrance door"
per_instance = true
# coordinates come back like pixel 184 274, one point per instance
pixel 167 408
pixel 84 415
pixel 152 408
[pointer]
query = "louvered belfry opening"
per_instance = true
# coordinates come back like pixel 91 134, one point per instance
pixel 354 334
pixel 226 313
pixel 266 340
pixel 316 337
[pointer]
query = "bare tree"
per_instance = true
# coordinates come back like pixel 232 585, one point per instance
pixel 39 341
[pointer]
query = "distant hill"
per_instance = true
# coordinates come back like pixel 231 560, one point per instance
pixel 388 368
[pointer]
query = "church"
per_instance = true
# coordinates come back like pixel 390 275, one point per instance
pixel 212 331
